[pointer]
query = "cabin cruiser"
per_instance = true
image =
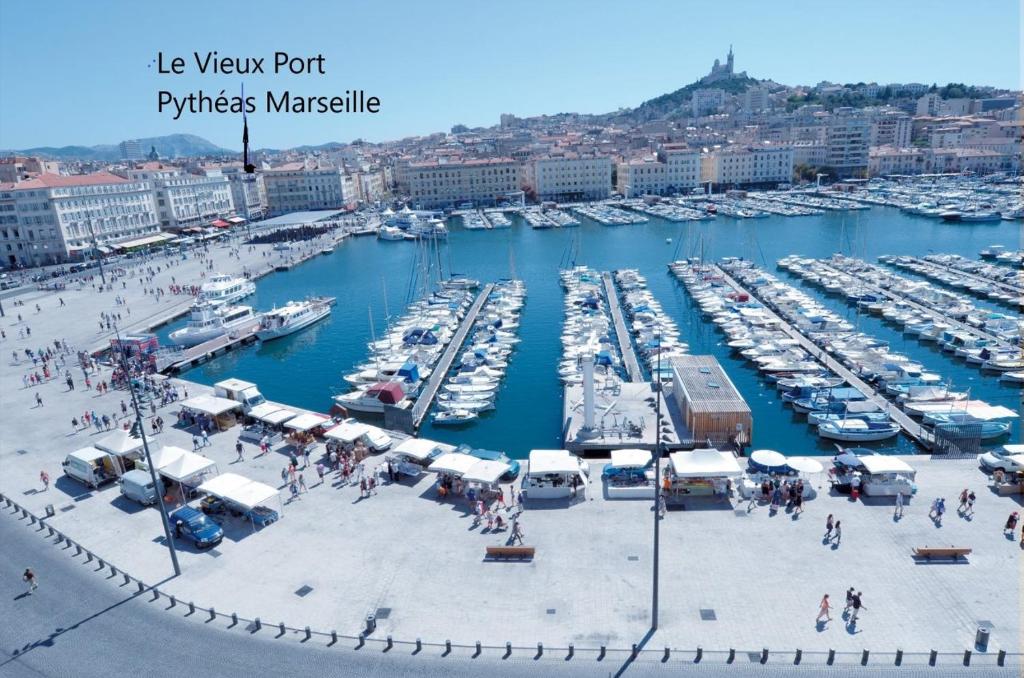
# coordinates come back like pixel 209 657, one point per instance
pixel 292 317
pixel 375 397
pixel 391 233
pixel 226 289
pixel 208 321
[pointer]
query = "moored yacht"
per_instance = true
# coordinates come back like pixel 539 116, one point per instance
pixel 292 317
pixel 226 289
pixel 209 321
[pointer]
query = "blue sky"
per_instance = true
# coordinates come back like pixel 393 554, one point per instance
pixel 77 72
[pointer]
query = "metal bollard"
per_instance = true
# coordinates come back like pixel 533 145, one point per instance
pixel 732 656
pixel 257 624
pixel 142 587
pixel 831 657
pixel 309 634
pixel 101 564
pixel 113 571
pixel 419 645
pixel 604 651
pixel 281 627
pixel 156 593
pixel 764 655
pixel 540 649
pixel 213 614
pixel 572 651
pixel 508 648
pixel 234 619
pixel 932 657
pixel 88 556
pixel 899 657
pixel 51 530
pixel 633 652
pixel 334 636
pixel 191 607
pixel 967 657
pixel 696 660
pixel 1001 658
pixel 78 550
pixel 799 656
pixel 447 647
pixel 388 644
pixel 668 653
pixel 174 601
pixel 864 658
pixel 478 650
pixel 127 580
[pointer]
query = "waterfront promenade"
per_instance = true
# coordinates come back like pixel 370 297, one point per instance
pixel 418 563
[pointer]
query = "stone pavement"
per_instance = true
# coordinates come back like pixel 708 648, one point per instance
pixel 418 563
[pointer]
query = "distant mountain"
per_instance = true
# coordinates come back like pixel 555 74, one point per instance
pixel 329 146
pixel 170 146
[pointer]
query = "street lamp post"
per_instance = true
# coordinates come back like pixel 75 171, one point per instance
pixel 657 490
pixel 96 251
pixel 149 459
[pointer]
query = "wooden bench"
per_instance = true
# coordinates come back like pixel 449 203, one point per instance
pixel 510 552
pixel 929 552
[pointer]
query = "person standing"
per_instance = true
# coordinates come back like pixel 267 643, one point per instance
pixel 829 526
pixel 320 470
pixel 44 478
pixel 857 607
pixel 970 503
pixel 206 438
pixel 39 401
pixel 839 532
pixel 302 484
pixel 517 531
pixel 849 601
pixel 30 579
pixel 824 609
pixel 898 511
pixel 239 449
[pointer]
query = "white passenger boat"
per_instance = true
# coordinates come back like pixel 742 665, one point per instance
pixel 226 289
pixel 391 233
pixel 857 430
pixel 292 317
pixel 208 321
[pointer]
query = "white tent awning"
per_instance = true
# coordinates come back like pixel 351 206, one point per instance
pixel 486 471
pixel 306 421
pixel 883 463
pixel 419 449
pixel 704 464
pixel 120 442
pixel 239 490
pixel 186 466
pixel 631 458
pixel 263 409
pixel 543 462
pixel 453 462
pixel 804 464
pixel 211 405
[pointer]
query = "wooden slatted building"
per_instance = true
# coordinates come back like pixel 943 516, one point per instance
pixel 709 403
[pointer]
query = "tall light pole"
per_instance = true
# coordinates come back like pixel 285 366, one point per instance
pixel 96 251
pixel 657 489
pixel 149 460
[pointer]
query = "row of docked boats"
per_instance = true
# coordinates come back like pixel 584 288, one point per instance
pixel 609 215
pixel 757 335
pixel 655 335
pixel 958 198
pixel 401 360
pixel 215 313
pixel 408 224
pixel 473 383
pixel 943 269
pixel 819 201
pixel 536 218
pixel 588 331
pixel 987 339
pixel 498 219
pixel 891 375
pixel 1001 255
pixel 667 210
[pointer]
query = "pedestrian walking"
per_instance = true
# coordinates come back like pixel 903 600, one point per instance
pixel 302 484
pixel 839 532
pixel 517 531
pixel 1011 524
pixel 857 607
pixel 940 508
pixel 849 601
pixel 320 470
pixel 898 511
pixel 970 503
pixel 294 488
pixel 30 579
pixel 39 401
pixel 206 438
pixel 963 501
pixel 829 526
pixel 305 456
pixel 195 443
pixel 44 478
pixel 362 487
pixel 239 449
pixel 824 609
pixel 798 504
pixel 74 423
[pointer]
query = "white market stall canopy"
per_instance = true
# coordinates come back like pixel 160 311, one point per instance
pixel 883 463
pixel 187 465
pixel 486 471
pixel 270 413
pixel 804 464
pixel 347 432
pixel 704 464
pixel 631 458
pixel 165 455
pixel 306 421
pixel 239 490
pixel 211 405
pixel 420 449
pixel 120 442
pixel 88 454
pixel 543 462
pixel 769 458
pixel 453 462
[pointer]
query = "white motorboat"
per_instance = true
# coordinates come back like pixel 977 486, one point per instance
pixel 208 321
pixel 391 233
pixel 374 398
pixel 292 317
pixel 1012 377
pixel 226 289
pixel 454 417
pixel 857 430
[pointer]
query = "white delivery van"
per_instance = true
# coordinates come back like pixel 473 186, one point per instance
pixel 138 486
pixel 243 392
pixel 90 466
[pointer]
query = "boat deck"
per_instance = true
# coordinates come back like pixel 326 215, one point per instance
pixel 911 428
pixel 437 377
pixel 621 333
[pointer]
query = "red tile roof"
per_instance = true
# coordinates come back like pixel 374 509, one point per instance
pixel 59 181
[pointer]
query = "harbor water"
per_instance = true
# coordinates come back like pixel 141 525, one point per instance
pixel 371 277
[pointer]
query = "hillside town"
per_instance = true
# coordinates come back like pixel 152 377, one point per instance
pixel 725 131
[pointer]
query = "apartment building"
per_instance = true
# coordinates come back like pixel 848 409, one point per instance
pixel 734 166
pixel 569 177
pixel 891 128
pixel 755 99
pixel 675 168
pixel 437 184
pixel 53 219
pixel 186 200
pixel 886 160
pixel 246 193
pixel 848 137
pixel 294 187
pixel 707 101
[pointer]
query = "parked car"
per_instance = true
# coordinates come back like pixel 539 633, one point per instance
pixel 197 527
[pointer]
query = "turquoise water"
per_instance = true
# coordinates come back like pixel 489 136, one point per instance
pixel 306 369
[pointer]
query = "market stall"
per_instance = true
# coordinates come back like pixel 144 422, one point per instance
pixel 210 411
pixel 485 477
pixel 304 427
pixel 707 472
pixel 450 467
pixel 123 447
pixel 267 420
pixel 238 494
pixel 182 470
pixel 886 476
pixel 413 456
pixel 554 474
pixel 629 475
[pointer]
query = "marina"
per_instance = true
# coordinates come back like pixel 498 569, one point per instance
pixel 980 279
pixel 622 335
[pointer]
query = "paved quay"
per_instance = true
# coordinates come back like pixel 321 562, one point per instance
pixel 418 563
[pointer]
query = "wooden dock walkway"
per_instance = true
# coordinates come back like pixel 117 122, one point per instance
pixel 936 315
pixel 192 356
pixel 914 430
pixel 440 373
pixel 621 333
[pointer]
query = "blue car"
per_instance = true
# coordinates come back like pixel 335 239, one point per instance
pixel 196 526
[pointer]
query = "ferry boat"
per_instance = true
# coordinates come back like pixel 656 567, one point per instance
pixel 208 321
pixel 226 289
pixel 292 317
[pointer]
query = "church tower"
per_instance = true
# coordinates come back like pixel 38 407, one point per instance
pixel 728 62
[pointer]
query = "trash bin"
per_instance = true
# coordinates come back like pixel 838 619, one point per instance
pixel 981 639
pixel 49 511
pixel 371 624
